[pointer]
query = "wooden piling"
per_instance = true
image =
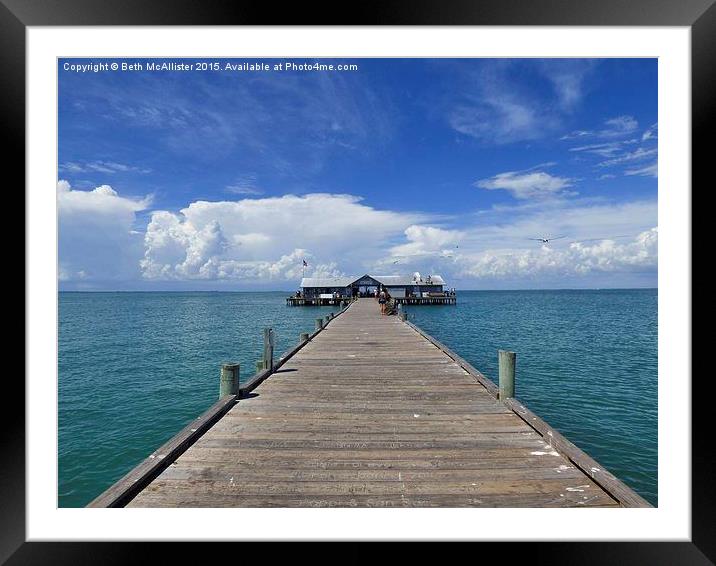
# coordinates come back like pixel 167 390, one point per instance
pixel 229 380
pixel 319 323
pixel 303 337
pixel 259 365
pixel 507 374
pixel 268 348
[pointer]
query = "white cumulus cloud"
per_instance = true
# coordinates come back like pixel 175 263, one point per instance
pixel 267 239
pixel 578 259
pixel 97 240
pixel 428 240
pixel 527 184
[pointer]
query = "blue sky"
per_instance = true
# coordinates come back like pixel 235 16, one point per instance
pixel 226 179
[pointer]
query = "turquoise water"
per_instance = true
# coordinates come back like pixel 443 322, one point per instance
pixel 134 368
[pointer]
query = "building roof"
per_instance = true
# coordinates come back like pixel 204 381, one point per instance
pixel 387 280
pixel 392 280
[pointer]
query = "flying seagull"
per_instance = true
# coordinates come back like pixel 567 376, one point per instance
pixel 546 240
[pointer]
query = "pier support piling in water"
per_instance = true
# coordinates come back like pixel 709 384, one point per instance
pixel 319 323
pixel 259 365
pixel 507 374
pixel 303 337
pixel 268 348
pixel 229 380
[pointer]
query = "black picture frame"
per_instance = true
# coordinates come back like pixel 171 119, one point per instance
pixel 699 15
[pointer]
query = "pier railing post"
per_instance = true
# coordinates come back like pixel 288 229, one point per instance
pixel 402 313
pixel 506 361
pixel 229 380
pixel 303 337
pixel 319 323
pixel 268 348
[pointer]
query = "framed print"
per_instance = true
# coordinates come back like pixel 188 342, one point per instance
pixel 391 279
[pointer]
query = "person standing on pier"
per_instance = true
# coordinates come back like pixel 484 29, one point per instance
pixel 381 300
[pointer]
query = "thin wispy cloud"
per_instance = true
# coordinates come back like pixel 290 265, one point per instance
pixel 607 149
pixel 613 128
pixel 500 105
pixel 245 185
pixel 243 190
pixel 620 152
pixel 639 154
pixel 651 132
pixel 650 170
pixel 497 118
pixel 619 126
pixel 108 167
pixel 275 120
pixel 567 77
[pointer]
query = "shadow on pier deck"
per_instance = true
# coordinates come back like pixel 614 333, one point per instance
pixel 373 413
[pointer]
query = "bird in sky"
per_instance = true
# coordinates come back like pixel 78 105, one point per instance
pixel 547 240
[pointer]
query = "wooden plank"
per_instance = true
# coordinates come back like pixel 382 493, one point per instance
pixel 240 474
pixel 256 486
pixel 429 458
pixel 196 499
pixel 371 459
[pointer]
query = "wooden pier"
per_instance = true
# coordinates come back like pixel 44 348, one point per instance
pixel 369 412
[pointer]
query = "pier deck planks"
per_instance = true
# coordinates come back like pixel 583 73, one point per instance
pixel 371 414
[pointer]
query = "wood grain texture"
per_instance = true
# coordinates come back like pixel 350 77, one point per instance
pixel 370 413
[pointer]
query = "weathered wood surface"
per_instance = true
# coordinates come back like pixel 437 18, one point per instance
pixel 371 414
